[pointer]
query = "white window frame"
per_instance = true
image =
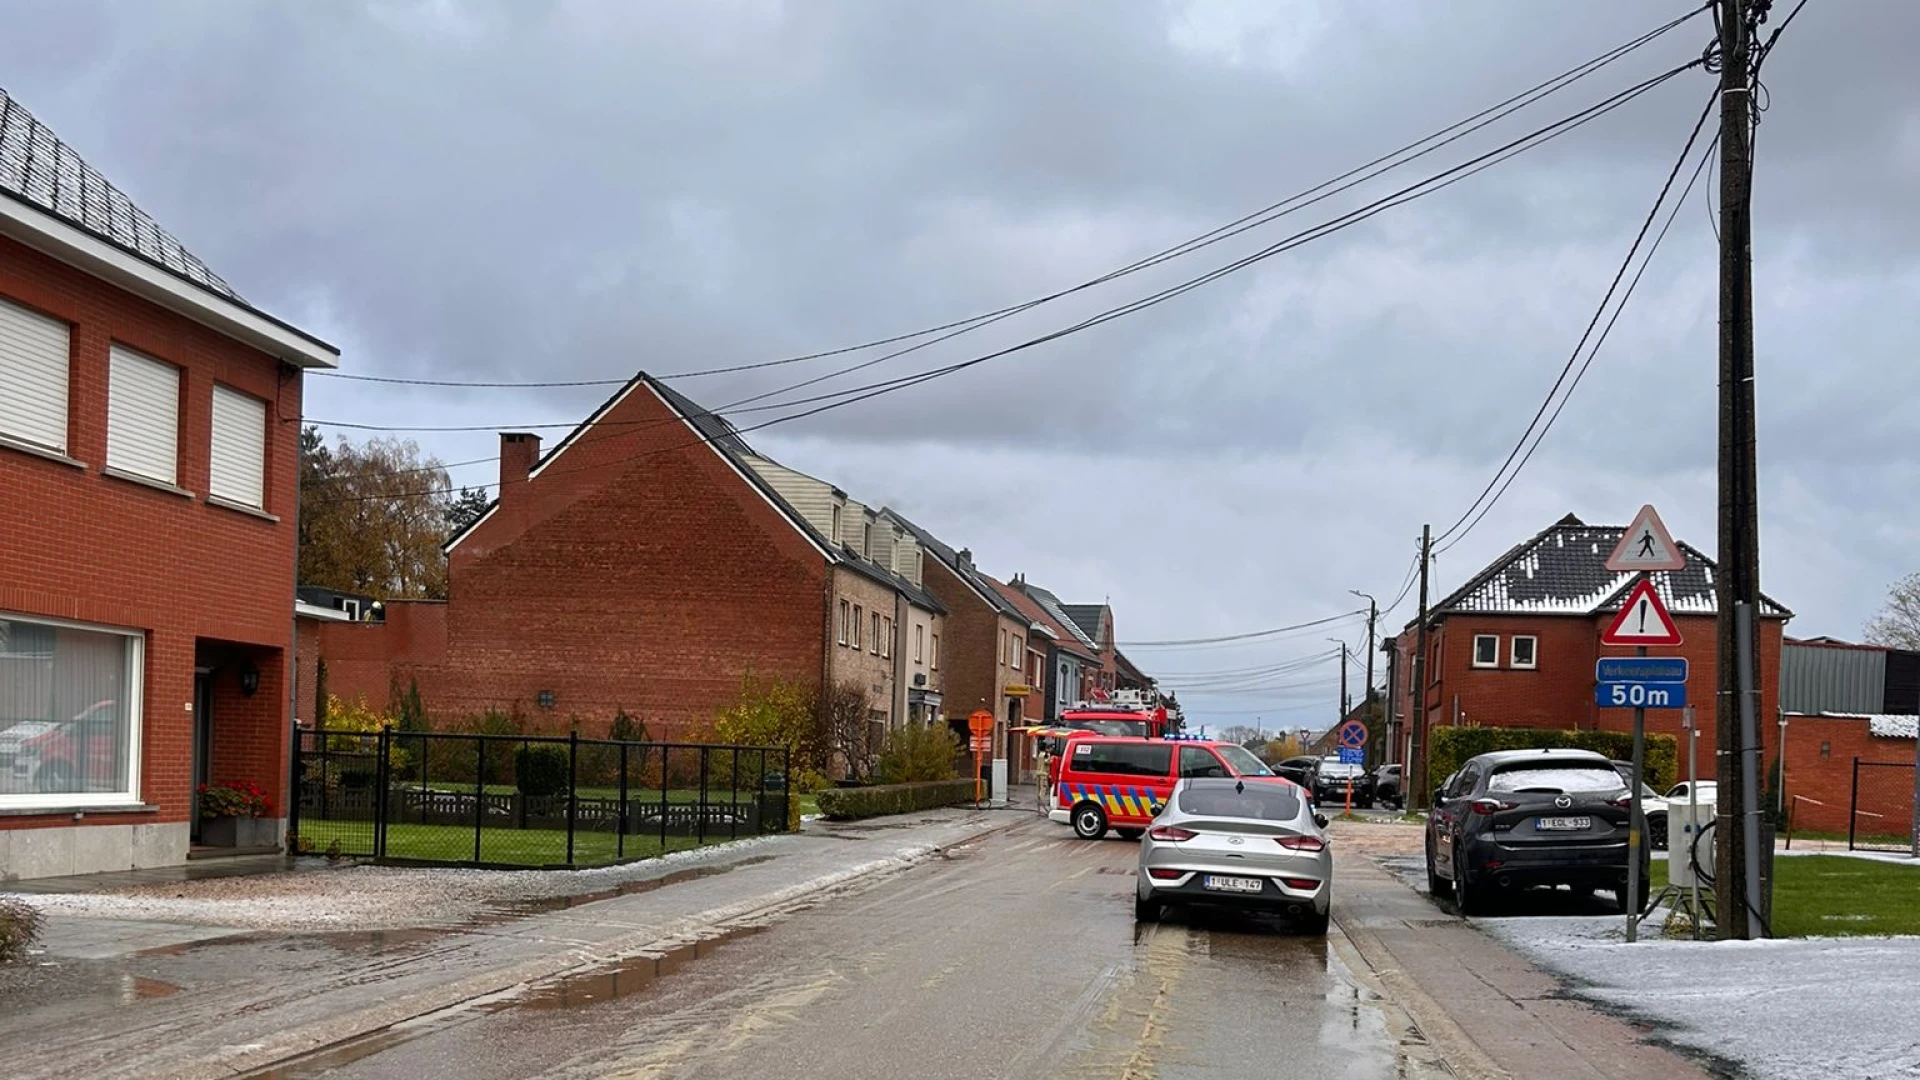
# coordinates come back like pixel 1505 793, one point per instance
pixel 143 416
pixel 933 653
pixel 886 640
pixel 41 431
pixel 1533 652
pixel 1493 663
pixel 136 660
pixel 859 617
pixel 221 487
pixel 874 645
pixel 1017 658
pixel 843 621
pixel 835 524
pixel 919 644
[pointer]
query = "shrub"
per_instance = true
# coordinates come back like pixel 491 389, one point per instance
pixel 19 927
pixel 1452 746
pixel 847 804
pixel 915 753
pixel 779 713
pixel 235 798
pixel 541 770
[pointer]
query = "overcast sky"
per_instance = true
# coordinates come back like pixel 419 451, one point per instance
pixel 513 190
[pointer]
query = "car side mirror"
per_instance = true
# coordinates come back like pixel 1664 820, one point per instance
pixel 1438 798
pixel 1320 820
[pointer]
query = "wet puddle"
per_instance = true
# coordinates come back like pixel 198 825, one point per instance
pixel 630 888
pixel 580 990
pixel 139 988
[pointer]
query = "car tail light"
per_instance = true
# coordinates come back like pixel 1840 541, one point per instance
pixel 1490 806
pixel 1301 843
pixel 1163 874
pixel 1172 832
pixel 1624 802
pixel 1304 884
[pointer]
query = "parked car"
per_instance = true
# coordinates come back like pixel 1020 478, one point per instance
pixel 1516 818
pixel 72 756
pixel 1300 770
pixel 1121 783
pixel 1387 787
pixel 1241 844
pixel 1339 783
pixel 1651 805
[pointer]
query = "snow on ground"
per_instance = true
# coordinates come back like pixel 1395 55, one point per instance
pixel 369 897
pixel 1783 1010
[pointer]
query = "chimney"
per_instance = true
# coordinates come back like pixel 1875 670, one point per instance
pixel 966 558
pixel 518 451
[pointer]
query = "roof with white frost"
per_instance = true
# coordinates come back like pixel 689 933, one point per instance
pixel 1562 571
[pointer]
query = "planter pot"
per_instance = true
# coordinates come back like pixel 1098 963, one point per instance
pixel 228 832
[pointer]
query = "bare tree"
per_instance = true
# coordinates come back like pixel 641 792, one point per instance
pixel 1898 624
pixel 853 735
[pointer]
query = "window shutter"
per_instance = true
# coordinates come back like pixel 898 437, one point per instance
pixel 143 416
pixel 239 447
pixel 33 377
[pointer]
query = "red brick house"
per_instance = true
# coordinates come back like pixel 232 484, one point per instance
pixel 149 433
pixel 647 563
pixel 1515 646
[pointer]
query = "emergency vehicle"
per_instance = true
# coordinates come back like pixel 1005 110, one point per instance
pixel 1120 782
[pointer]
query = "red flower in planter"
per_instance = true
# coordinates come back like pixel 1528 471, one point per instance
pixel 235 798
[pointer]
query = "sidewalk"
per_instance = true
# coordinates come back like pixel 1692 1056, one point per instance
pixel 194 986
pixel 1490 1013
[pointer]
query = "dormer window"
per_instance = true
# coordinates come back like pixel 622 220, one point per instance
pixel 835 534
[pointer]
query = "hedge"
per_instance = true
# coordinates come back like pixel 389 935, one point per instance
pixel 848 804
pixel 1452 746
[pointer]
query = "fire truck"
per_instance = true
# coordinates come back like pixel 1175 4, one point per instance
pixel 1123 712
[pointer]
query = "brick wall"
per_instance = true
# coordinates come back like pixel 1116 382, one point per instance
pixel 363 659
pixel 638 570
pixel 1820 755
pixel 103 550
pixel 862 665
pixel 1558 693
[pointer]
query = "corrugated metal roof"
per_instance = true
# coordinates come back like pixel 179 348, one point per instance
pixel 1818 678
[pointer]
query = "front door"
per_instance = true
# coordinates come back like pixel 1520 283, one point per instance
pixel 202 742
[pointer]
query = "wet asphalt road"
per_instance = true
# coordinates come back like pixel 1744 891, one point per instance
pixel 1015 957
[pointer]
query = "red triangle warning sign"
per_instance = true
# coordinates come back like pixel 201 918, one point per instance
pixel 1643 621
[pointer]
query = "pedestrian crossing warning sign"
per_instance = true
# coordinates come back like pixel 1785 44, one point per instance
pixel 1646 547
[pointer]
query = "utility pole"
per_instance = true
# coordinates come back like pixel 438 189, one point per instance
pixel 1414 778
pixel 1346 706
pixel 1737 583
pixel 1366 693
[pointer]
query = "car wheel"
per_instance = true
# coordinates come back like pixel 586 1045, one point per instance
pixel 1129 834
pixel 1657 832
pixel 1314 923
pixel 1089 821
pixel 1436 885
pixel 1466 895
pixel 1145 910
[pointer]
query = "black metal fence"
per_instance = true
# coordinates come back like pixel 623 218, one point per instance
pixel 1880 813
pixel 526 801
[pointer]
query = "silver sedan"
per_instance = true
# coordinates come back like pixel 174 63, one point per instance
pixel 1252 843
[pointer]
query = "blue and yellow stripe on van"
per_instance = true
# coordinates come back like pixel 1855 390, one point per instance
pixel 1118 800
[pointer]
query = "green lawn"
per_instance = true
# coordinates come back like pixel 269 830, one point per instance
pixel 1837 896
pixel 506 847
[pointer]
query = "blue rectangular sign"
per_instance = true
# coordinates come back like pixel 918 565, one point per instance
pixel 1353 755
pixel 1642 669
pixel 1641 695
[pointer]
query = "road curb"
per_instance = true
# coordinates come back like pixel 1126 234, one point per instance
pixel 1455 1047
pixel 336 1032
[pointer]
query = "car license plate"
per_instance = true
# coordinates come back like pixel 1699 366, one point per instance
pixel 1232 884
pixel 1564 824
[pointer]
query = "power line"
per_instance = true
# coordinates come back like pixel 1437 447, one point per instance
pixel 1567 369
pixel 1422 188
pixel 1618 310
pixel 1264 215
pixel 1179 642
